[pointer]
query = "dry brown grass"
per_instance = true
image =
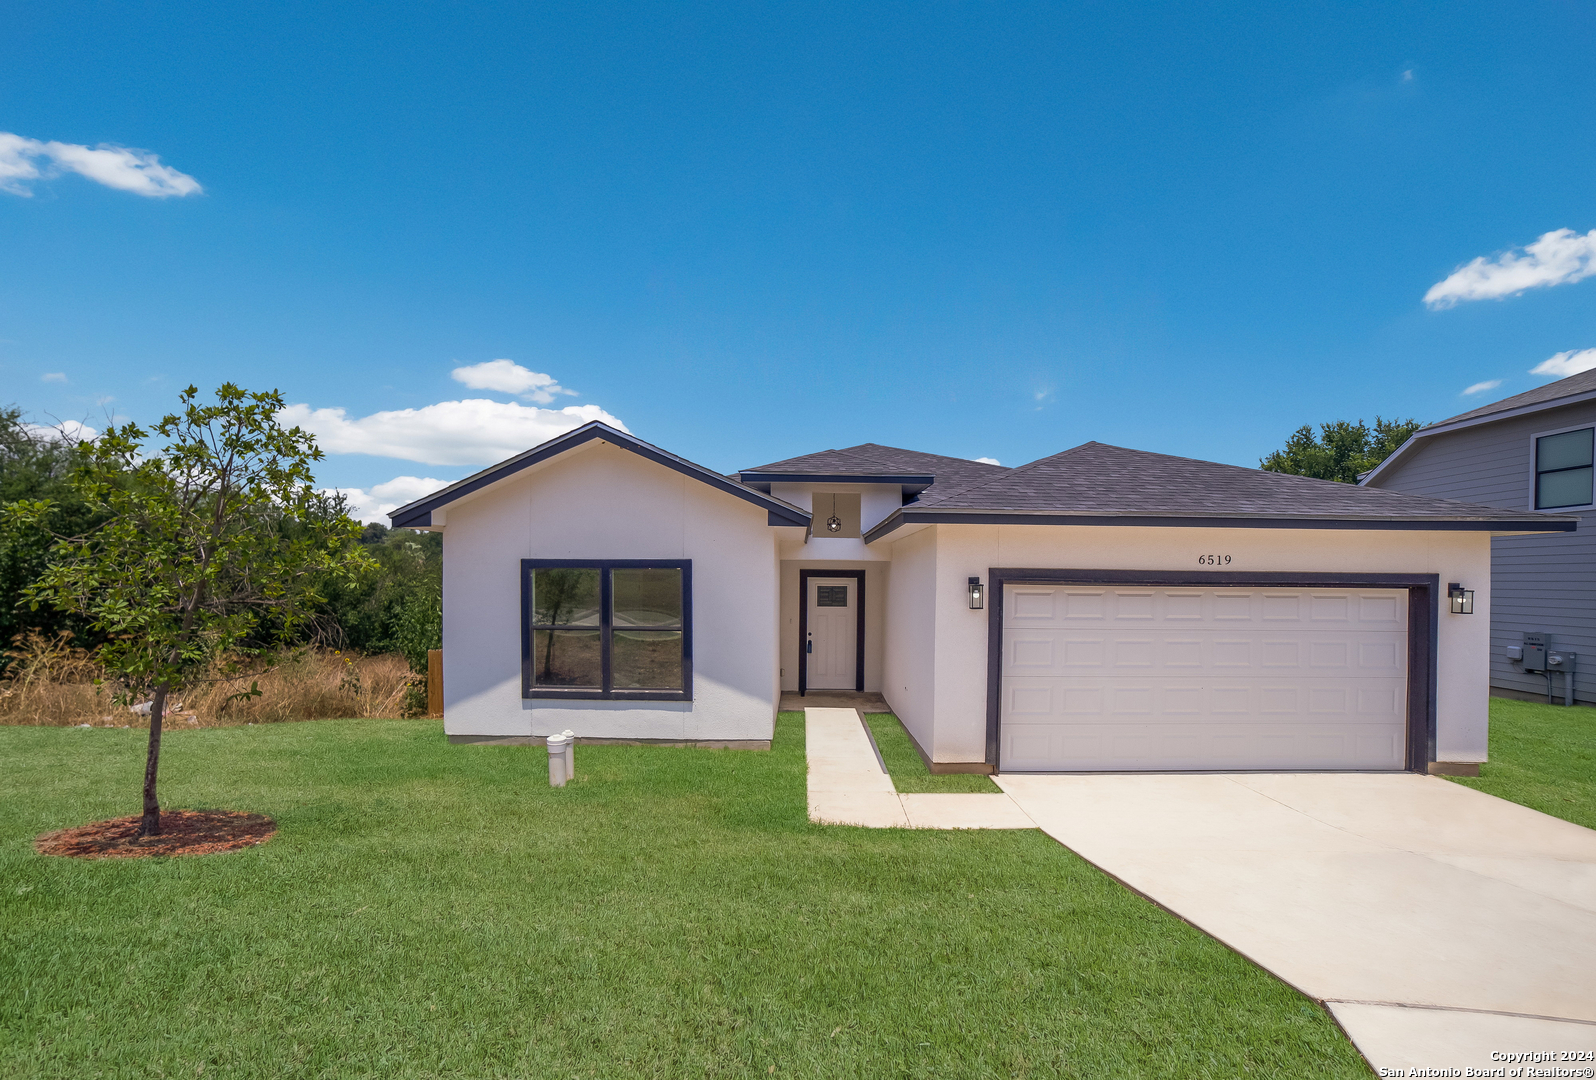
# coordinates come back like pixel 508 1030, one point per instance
pixel 52 683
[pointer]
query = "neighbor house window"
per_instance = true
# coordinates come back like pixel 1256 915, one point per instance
pixel 1563 469
pixel 606 629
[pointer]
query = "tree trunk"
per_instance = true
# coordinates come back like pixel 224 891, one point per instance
pixel 151 825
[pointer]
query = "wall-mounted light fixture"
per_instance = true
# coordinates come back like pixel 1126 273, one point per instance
pixel 833 523
pixel 977 594
pixel 1461 599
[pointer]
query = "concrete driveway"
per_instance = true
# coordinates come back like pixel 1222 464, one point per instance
pixel 1439 925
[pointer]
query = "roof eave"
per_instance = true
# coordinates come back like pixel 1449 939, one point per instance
pixel 931 516
pixel 913 482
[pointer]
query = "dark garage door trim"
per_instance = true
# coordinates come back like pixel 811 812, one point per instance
pixel 1423 622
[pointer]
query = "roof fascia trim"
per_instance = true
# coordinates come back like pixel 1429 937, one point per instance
pixel 899 518
pixel 420 511
pixel 750 476
pixel 1391 458
pixel 1507 414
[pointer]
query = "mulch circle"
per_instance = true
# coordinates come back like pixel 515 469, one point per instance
pixel 183 832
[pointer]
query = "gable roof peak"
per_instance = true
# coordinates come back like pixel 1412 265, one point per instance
pixel 418 514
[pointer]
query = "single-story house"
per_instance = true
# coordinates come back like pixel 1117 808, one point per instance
pixel 1102 609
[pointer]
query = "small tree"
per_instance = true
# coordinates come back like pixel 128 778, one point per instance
pixel 207 533
pixel 1345 451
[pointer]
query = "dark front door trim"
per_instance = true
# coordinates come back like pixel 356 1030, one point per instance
pixel 1423 625
pixel 803 625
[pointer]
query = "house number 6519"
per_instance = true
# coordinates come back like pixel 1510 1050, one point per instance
pixel 1213 560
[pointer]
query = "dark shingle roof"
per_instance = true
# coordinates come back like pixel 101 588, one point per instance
pixel 1583 383
pixel 872 459
pixel 1098 481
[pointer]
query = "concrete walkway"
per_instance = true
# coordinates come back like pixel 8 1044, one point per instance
pixel 848 786
pixel 1438 924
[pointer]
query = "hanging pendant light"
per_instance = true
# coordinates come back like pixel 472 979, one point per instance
pixel 833 523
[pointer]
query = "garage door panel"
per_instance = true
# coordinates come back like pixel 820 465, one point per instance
pixel 1071 700
pixel 1062 606
pixel 1032 651
pixel 1123 747
pixel 1124 678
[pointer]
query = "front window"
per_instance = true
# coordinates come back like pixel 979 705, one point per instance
pixel 1563 469
pixel 606 629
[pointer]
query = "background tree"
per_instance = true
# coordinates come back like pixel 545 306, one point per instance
pixel 1343 451
pixel 204 535
pixel 374 611
pixel 36 463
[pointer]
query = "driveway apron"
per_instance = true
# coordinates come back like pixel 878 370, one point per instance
pixel 1438 924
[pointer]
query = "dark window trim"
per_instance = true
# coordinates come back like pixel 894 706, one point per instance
pixel 803 625
pixel 546 693
pixel 1536 472
pixel 1424 608
pixel 913 516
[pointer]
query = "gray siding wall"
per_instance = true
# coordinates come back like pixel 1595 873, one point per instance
pixel 1538 583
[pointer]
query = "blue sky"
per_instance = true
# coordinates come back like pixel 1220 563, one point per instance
pixel 753 231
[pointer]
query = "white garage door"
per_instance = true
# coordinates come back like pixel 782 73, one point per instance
pixel 1127 678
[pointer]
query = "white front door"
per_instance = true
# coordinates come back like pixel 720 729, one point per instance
pixel 833 635
pixel 1123 678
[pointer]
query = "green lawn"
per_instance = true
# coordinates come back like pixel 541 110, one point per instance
pixel 907 768
pixel 1543 756
pixel 432 910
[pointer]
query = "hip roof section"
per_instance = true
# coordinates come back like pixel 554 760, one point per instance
pixel 1100 484
pixel 873 463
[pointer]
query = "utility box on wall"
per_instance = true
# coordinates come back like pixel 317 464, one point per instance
pixel 1534 652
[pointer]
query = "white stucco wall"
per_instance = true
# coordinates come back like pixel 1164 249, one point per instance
pixel 601 502
pixel 948 699
pixel 908 677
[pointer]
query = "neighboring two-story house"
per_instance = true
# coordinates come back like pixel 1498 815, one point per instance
pixel 1532 451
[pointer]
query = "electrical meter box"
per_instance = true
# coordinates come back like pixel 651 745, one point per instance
pixel 1534 652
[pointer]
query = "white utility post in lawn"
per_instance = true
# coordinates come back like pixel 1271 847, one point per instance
pixel 557 771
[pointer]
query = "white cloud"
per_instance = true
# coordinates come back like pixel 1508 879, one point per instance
pixel 508 377
pixel 1559 257
pixel 377 502
pixel 1567 363
pixel 16 163
pixel 117 167
pixel 71 431
pixel 1481 387
pixel 987 460
pixel 53 376
pixel 471 432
